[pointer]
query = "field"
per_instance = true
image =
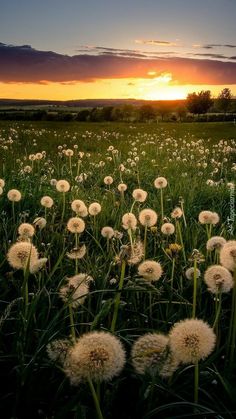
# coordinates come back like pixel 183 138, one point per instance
pixel 64 275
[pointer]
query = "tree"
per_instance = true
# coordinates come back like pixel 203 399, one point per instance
pixel 146 113
pixel 199 103
pixel 224 100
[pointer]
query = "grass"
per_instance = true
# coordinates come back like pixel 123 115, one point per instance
pixel 197 159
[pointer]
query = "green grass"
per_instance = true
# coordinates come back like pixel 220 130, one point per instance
pixel 188 155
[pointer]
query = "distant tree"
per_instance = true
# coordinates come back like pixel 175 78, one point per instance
pixel 224 100
pixel 199 103
pixel 146 113
pixel 106 112
pixel 163 109
pixel 83 115
pixel 181 112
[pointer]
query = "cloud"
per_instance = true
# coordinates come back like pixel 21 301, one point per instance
pixel 26 64
pixel 155 42
pixel 211 46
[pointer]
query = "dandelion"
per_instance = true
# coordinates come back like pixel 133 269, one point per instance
pixel 148 217
pixel 150 270
pixel 62 186
pixel 40 222
pixel 1 190
pixel 76 225
pixel 122 187
pixel 139 195
pixel 177 213
pixel 98 356
pixel 149 353
pixel 108 180
pixel 167 229
pixel 94 208
pixel 218 279
pixel 26 230
pixel 160 182
pixel 69 152
pixel 77 252
pixel 78 206
pixel 228 255
pixel 76 290
pixel 189 273
pixel 14 195
pixel 215 243
pixel 46 201
pixel 205 217
pixel 2 183
pixel 107 232
pixel 129 221
pixel 192 340
pixel 37 265
pixel 58 349
pixel 21 254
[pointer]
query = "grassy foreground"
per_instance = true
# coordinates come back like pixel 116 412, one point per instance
pixel 117 296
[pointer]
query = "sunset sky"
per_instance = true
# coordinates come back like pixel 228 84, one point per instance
pixel 143 49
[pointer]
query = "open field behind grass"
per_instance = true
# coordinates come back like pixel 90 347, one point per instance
pixel 40 305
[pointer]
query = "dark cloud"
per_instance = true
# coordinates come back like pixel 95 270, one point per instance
pixel 210 46
pixel 154 42
pixel 26 64
pixel 216 56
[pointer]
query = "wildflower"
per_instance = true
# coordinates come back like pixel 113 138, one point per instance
pixel 191 340
pixel 189 273
pixel 108 180
pixel 173 249
pixel 216 242
pixel 148 217
pixel 37 265
pixel 107 232
pixel 77 205
pixel 149 352
pixel 177 213
pixel 14 195
pixel 208 217
pixel 98 356
pixel 228 255
pixel 218 278
pixel 62 186
pixel 160 182
pixel 135 253
pixel 40 222
pixel 76 225
pixel 77 252
pixel 150 270
pixel 94 208
pixel 38 156
pixel 129 221
pixel 46 201
pixel 58 349
pixel 122 187
pixel 76 290
pixel 2 183
pixel 69 152
pixel 168 229
pixel 139 195
pixel 26 230
pixel 21 254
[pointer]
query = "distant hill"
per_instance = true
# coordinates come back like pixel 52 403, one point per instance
pixel 81 103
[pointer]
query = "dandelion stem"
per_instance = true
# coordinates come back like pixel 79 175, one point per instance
pixel 63 205
pixel 172 274
pixel 76 260
pixel 178 227
pixel 145 241
pixel 162 206
pixel 95 399
pixel 72 325
pixel 194 288
pixel 13 211
pixel 196 381
pixel 118 296
pixel 218 310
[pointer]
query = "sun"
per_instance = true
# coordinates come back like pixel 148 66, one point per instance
pixel 160 87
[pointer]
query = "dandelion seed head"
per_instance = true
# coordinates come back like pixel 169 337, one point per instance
pixel 160 182
pixel 129 221
pixel 215 242
pixel 76 290
pixel 14 195
pixel 2 183
pixel 191 340
pixel 177 213
pixel 150 270
pixel 40 222
pixel 122 187
pixel 108 180
pixel 107 232
pixel 168 229
pixel 94 208
pixel 149 352
pixel 148 217
pixel 218 279
pixel 99 356
pixel 77 252
pixel 22 253
pixel 76 225
pixel 139 195
pixel 46 201
pixel 62 186
pixel 189 273
pixel 26 230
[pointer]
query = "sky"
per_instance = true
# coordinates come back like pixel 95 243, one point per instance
pixel 144 49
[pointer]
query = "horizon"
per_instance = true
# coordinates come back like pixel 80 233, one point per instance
pixel 140 50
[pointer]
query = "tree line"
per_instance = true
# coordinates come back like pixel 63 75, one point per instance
pixel 197 106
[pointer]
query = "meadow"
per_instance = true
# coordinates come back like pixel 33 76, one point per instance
pixel 117 270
